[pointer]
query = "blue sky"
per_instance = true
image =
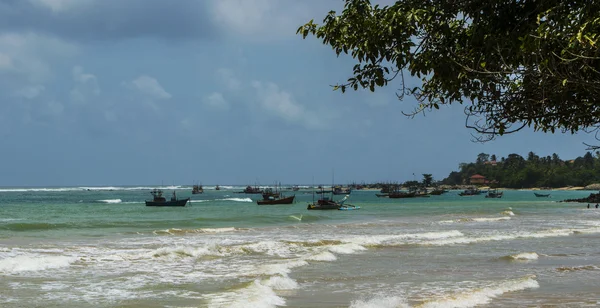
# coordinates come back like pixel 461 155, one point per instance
pixel 111 92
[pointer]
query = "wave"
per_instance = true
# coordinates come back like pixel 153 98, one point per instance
pixel 502 237
pixel 235 199
pixel 33 263
pixel 482 296
pixel 257 294
pixel 525 256
pixel 110 201
pixel 391 240
pixel 578 268
pixel 175 231
pixel 380 302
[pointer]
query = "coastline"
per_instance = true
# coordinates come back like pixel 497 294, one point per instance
pixel 592 187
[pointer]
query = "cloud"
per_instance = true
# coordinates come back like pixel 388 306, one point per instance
pixel 108 19
pixel 227 77
pixel 149 86
pixel 30 56
pixel 5 62
pixel 266 18
pixel 30 92
pixel 85 85
pixel 57 6
pixel 280 103
pixel 216 100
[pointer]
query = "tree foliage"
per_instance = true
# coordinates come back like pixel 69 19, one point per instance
pixel 514 171
pixel 513 63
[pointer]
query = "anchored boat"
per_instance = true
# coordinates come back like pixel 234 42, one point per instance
pixel 159 200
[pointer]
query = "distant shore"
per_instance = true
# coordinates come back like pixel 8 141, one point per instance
pixel 592 187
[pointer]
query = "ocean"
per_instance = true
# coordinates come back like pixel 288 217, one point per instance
pixel 102 247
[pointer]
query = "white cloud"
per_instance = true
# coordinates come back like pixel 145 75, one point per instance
pixel 281 104
pixel 58 6
pixel 227 77
pixel 5 61
pixel 216 100
pixel 85 85
pixel 149 86
pixel 264 18
pixel 30 92
pixel 30 55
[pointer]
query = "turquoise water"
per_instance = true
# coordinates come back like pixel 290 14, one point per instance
pixel 102 247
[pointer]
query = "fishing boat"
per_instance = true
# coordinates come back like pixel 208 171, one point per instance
pixel 270 193
pixel 251 190
pixel 401 194
pixel 385 195
pixel 159 200
pixel 277 200
pixel 197 189
pixel 470 192
pixel 327 203
pixel 437 192
pixel 338 190
pixel 541 195
pixel 494 193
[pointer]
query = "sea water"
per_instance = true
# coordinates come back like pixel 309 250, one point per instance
pixel 102 247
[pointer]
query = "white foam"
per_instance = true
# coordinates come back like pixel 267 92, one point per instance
pixel 324 256
pixel 525 256
pixel 236 199
pixel 380 302
pixel 279 268
pixel 217 230
pixel 180 252
pixel 509 213
pixel 349 248
pixel 111 201
pixel 256 295
pixel 273 248
pixel 281 283
pixel 500 237
pixel 491 219
pixel 403 238
pixel 34 263
pixel 482 296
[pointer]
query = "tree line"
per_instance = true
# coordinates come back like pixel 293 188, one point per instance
pixel 515 171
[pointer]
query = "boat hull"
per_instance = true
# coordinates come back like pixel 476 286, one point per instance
pixel 401 195
pixel 181 202
pixel 323 207
pixel 286 200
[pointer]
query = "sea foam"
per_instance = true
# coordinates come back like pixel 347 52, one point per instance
pixel 255 295
pixel 380 302
pixel 34 263
pixel 482 296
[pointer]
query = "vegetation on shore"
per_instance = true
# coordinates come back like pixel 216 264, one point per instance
pixel 515 171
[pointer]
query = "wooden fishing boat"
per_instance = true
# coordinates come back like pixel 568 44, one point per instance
pixel 494 193
pixel 541 195
pixel 283 200
pixel 159 200
pixel 197 189
pixel 470 192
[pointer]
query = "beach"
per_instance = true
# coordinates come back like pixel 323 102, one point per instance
pixel 102 247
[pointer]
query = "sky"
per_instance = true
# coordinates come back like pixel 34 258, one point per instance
pixel 112 92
